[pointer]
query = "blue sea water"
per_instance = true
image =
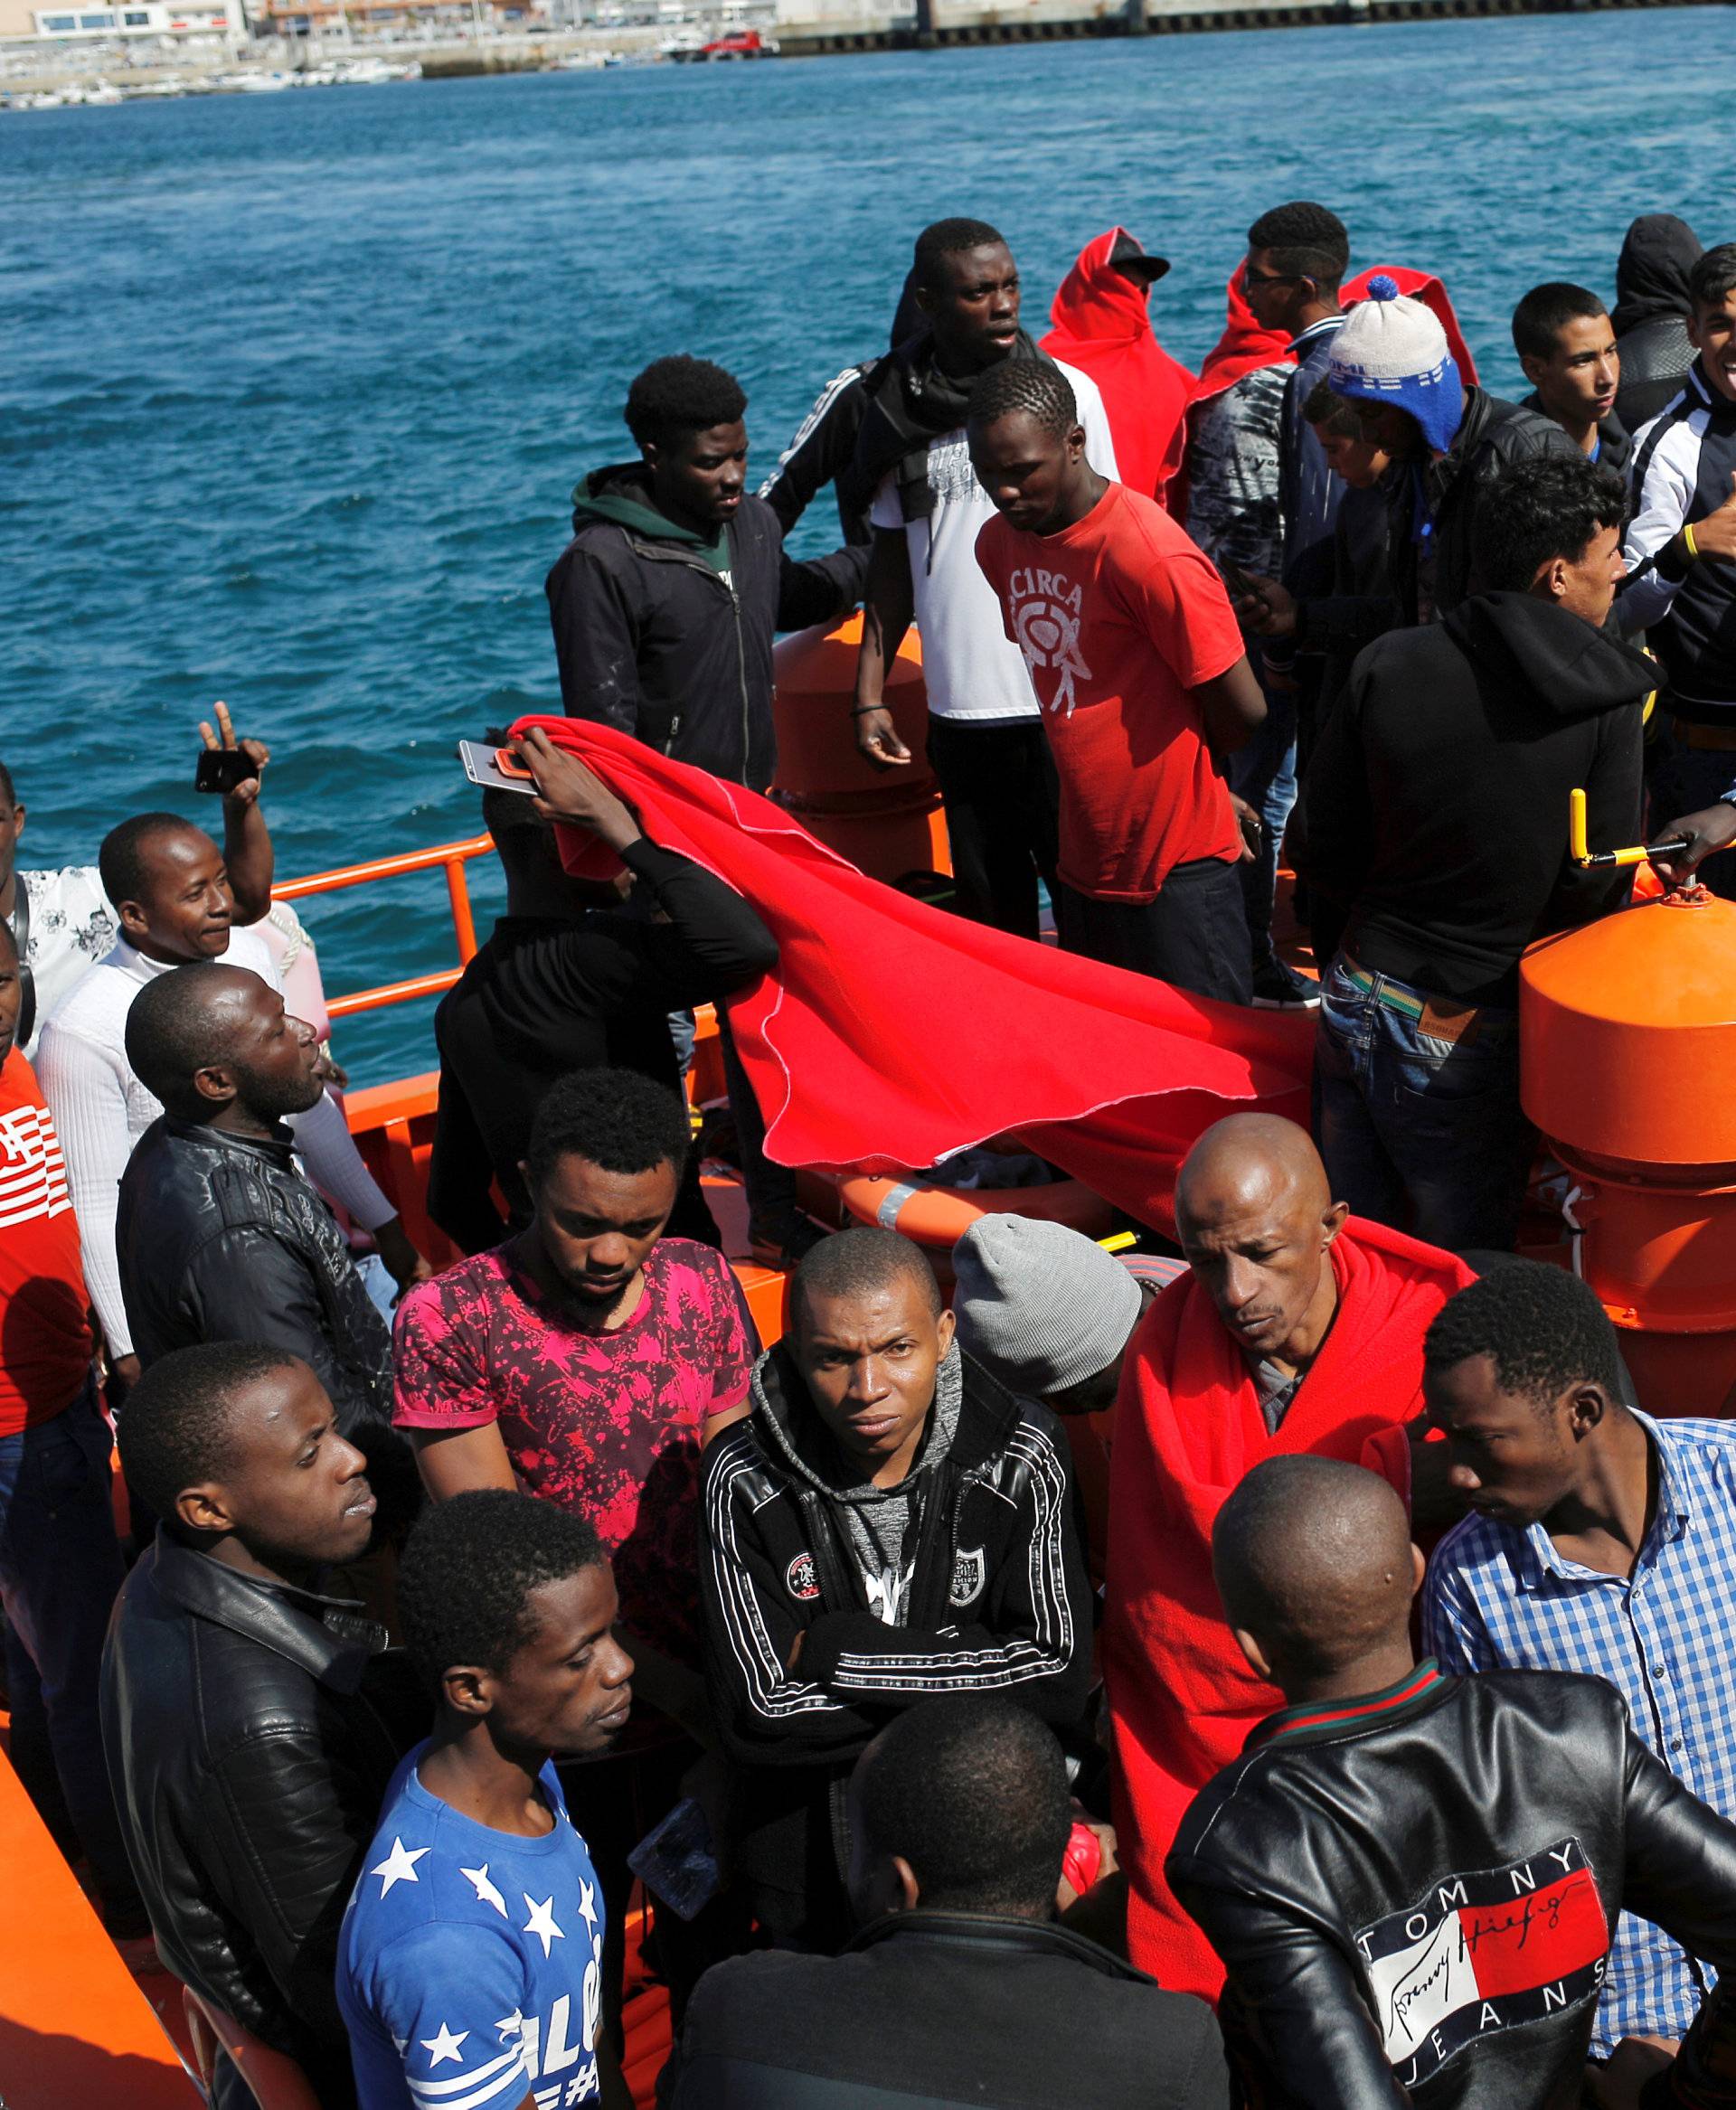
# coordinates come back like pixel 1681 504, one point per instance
pixel 297 387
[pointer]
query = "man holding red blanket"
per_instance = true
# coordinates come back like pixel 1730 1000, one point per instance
pixel 1297 1330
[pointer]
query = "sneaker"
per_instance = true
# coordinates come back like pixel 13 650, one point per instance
pixel 1280 988
pixel 780 1242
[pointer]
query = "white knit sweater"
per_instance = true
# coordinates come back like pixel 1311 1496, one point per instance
pixel 100 1110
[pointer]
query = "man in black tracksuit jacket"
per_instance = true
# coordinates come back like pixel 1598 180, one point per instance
pixel 831 1600
pixel 665 601
pixel 1411 1878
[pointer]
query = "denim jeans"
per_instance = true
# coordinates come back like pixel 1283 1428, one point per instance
pixel 60 1570
pixel 1264 774
pixel 1419 1131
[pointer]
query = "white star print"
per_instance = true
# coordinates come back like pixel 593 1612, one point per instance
pixel 399 1866
pixel 511 2025
pixel 588 1907
pixel 541 1922
pixel 445 2045
pixel 484 1889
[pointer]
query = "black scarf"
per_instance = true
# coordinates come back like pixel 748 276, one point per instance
pixel 909 403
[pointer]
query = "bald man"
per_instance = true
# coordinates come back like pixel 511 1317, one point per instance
pixel 219 1236
pixel 1413 1877
pixel 1297 1331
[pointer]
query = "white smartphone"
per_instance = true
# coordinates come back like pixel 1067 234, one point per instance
pixel 494 769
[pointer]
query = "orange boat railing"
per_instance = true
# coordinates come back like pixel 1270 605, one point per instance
pixel 451 857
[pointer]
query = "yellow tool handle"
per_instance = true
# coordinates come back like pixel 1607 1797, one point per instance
pixel 1588 860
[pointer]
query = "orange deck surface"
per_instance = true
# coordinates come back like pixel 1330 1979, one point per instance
pixel 76 2032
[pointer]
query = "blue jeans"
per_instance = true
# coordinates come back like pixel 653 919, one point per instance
pixel 60 1570
pixel 1264 774
pixel 1420 1131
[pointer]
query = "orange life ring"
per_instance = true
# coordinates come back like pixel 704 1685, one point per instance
pixel 940 1216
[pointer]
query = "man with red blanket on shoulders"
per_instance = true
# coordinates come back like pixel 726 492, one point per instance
pixel 1102 326
pixel 1298 1330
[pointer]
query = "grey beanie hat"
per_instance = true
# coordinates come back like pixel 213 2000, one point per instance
pixel 1041 1307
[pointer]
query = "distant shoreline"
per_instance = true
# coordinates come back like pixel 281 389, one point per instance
pixel 69 77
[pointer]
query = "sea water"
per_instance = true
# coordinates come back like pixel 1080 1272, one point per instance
pixel 296 388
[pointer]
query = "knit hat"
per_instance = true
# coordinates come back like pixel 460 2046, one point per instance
pixel 1392 350
pixel 1040 1306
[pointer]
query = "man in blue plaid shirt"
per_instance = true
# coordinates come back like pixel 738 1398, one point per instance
pixel 1600 1540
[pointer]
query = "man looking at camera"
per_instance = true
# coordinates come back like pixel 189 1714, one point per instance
pixel 1137 659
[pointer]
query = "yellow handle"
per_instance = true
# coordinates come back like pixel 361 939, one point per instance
pixel 1580 848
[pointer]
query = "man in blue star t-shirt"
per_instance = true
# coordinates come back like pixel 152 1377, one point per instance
pixel 469 1968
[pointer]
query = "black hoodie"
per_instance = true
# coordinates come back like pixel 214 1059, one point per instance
pixel 1650 318
pixel 1435 810
pixel 669 638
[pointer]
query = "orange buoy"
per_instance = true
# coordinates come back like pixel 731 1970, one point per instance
pixel 887 822
pixel 1627 1039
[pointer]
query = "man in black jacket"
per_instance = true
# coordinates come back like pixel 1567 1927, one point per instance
pixel 1391 359
pixel 1566 344
pixel 219 1237
pixel 1411 1878
pixel 250 1723
pixel 1436 817
pixel 888 1525
pixel 558 985
pixel 665 601
pixel 960 1989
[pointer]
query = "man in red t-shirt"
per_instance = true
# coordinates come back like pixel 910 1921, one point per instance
pixel 1137 662
pixel 587 1361
pixel 60 1563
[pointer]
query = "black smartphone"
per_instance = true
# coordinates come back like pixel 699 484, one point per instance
pixel 1236 580
pixel 221 769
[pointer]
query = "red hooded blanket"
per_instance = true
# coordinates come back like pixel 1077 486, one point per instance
pixel 1102 326
pixel 892 1033
pixel 1188 1426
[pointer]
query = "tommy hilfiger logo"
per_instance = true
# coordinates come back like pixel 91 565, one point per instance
pixel 1485 1952
pixel 801 1579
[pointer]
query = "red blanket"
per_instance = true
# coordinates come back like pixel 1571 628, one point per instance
pixel 892 1033
pixel 1188 1426
pixel 1102 326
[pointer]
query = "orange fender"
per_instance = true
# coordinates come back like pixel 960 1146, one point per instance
pixel 940 1216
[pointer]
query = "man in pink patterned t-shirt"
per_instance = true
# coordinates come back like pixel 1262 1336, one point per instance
pixel 585 1360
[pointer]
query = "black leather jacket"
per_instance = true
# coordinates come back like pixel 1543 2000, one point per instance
pixel 944 2009
pixel 250 1730
pixel 1491 435
pixel 1413 1894
pixel 221 1239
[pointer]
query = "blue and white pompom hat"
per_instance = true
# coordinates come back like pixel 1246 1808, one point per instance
pixel 1392 350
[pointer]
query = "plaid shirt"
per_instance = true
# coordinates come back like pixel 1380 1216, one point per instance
pixel 1498 1599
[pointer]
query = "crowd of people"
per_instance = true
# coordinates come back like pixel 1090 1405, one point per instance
pixel 1004 1685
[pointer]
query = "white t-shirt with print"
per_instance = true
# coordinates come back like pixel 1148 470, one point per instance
pixel 973 669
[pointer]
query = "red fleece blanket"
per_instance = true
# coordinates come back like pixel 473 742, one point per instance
pixel 890 1033
pixel 1188 1426
pixel 1102 326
